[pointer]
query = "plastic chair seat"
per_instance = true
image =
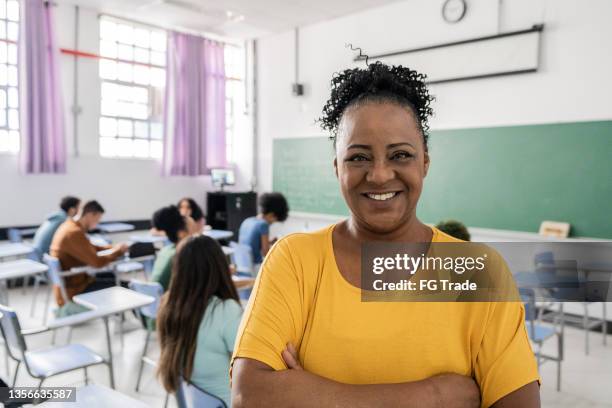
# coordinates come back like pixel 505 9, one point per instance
pixel 127 267
pixel 541 333
pixel 189 395
pixel 47 362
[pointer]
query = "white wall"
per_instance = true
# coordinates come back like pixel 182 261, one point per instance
pixel 573 83
pixel 127 188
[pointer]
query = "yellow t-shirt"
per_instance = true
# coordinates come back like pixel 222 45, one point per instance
pixel 301 297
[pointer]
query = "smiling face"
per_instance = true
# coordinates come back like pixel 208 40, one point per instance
pixel 380 162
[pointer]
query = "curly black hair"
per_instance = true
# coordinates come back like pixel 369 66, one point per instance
pixel 455 229
pixel 377 83
pixel 169 220
pixel 274 203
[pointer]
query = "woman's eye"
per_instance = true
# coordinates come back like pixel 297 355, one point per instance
pixel 401 156
pixel 358 157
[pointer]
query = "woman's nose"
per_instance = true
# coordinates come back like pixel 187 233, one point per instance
pixel 380 173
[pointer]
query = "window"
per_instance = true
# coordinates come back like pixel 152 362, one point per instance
pixel 235 84
pixel 9 86
pixel 133 73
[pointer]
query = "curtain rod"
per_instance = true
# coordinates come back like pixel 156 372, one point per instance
pixel 84 54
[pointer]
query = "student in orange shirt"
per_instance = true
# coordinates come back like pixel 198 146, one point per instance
pixel 73 249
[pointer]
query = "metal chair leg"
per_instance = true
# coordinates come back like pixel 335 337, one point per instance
pixel 142 362
pixel 539 355
pixel 585 324
pixel 34 298
pixel 559 359
pixel 110 352
pixel 4 293
pixel 604 326
pixel 38 400
pixel 6 358
pixel 15 375
pixel 86 377
pixel 47 301
pixel 121 334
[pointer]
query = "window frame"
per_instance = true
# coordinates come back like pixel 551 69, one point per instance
pixel 12 112
pixel 153 91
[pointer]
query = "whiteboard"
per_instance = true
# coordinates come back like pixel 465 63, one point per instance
pixel 490 56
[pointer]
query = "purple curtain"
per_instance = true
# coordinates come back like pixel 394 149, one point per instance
pixel 194 117
pixel 43 148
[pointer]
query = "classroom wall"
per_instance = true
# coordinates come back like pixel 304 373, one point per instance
pixel 572 85
pixel 127 188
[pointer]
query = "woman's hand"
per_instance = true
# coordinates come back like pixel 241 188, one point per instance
pixel 456 391
pixel 450 390
pixel 290 355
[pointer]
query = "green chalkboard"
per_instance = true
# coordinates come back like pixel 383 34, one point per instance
pixel 303 170
pixel 503 177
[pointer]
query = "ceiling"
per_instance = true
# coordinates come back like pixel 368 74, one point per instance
pixel 238 19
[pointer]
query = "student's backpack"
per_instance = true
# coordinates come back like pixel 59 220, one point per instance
pixel 139 249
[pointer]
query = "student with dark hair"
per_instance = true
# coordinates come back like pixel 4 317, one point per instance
pixel 198 319
pixel 455 229
pixel 176 227
pixel 189 208
pixel 73 249
pixel 254 231
pixel 69 207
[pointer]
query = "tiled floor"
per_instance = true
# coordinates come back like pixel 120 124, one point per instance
pixel 586 380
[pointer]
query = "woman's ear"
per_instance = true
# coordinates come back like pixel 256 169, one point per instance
pixel 336 166
pixel 425 164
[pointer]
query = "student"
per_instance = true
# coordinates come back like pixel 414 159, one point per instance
pixel 455 229
pixel 198 319
pixel 176 227
pixel 308 339
pixel 254 231
pixel 189 208
pixel 72 247
pixel 69 207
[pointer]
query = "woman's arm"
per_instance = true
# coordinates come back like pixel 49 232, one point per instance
pixel 265 244
pixel 528 396
pixel 256 384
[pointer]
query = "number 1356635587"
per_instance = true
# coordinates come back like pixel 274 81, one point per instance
pixel 30 394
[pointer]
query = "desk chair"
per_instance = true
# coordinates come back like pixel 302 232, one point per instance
pixel 14 235
pixel 547 269
pixel 189 395
pixel 54 276
pixel 124 268
pixel 148 313
pixel 38 279
pixel 539 333
pixel 47 362
pixel 242 257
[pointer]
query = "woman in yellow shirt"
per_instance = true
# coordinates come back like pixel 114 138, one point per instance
pixel 307 339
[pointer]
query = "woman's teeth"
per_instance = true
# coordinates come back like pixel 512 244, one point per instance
pixel 382 197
